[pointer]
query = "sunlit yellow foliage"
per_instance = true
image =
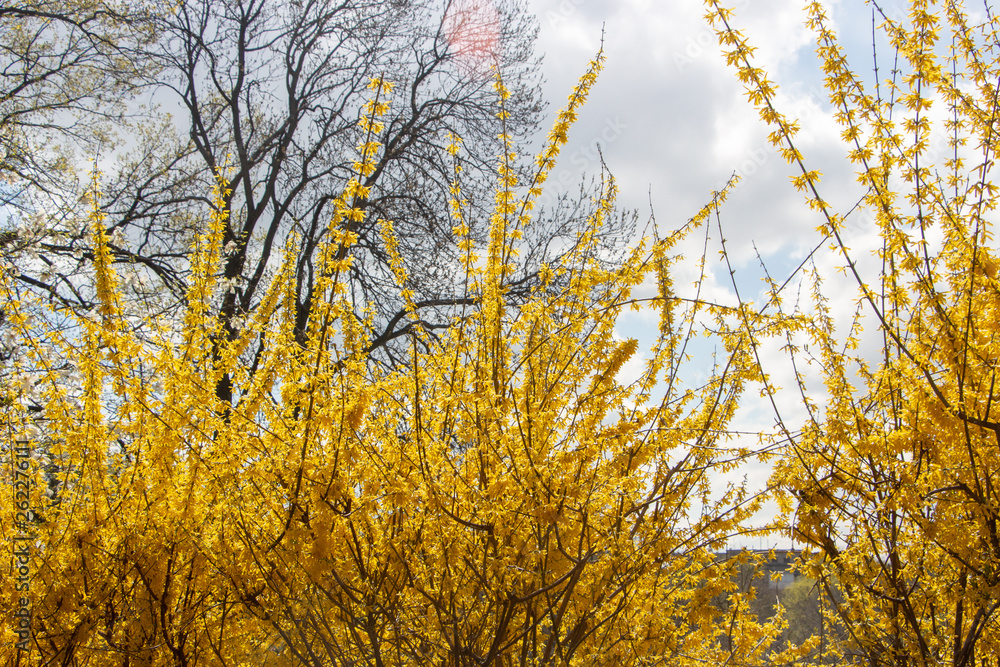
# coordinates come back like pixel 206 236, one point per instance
pixel 504 498
pixel 893 482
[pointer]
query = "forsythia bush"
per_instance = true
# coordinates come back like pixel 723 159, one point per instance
pixel 501 499
pixel 505 496
pixel 892 481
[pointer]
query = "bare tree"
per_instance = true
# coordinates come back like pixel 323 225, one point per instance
pixel 66 66
pixel 269 95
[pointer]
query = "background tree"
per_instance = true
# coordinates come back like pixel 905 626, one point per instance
pixel 893 483
pixel 802 603
pixel 67 69
pixel 269 94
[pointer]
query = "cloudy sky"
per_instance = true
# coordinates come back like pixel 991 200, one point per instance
pixel 673 123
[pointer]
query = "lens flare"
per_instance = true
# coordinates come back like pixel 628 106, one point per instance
pixel 472 30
